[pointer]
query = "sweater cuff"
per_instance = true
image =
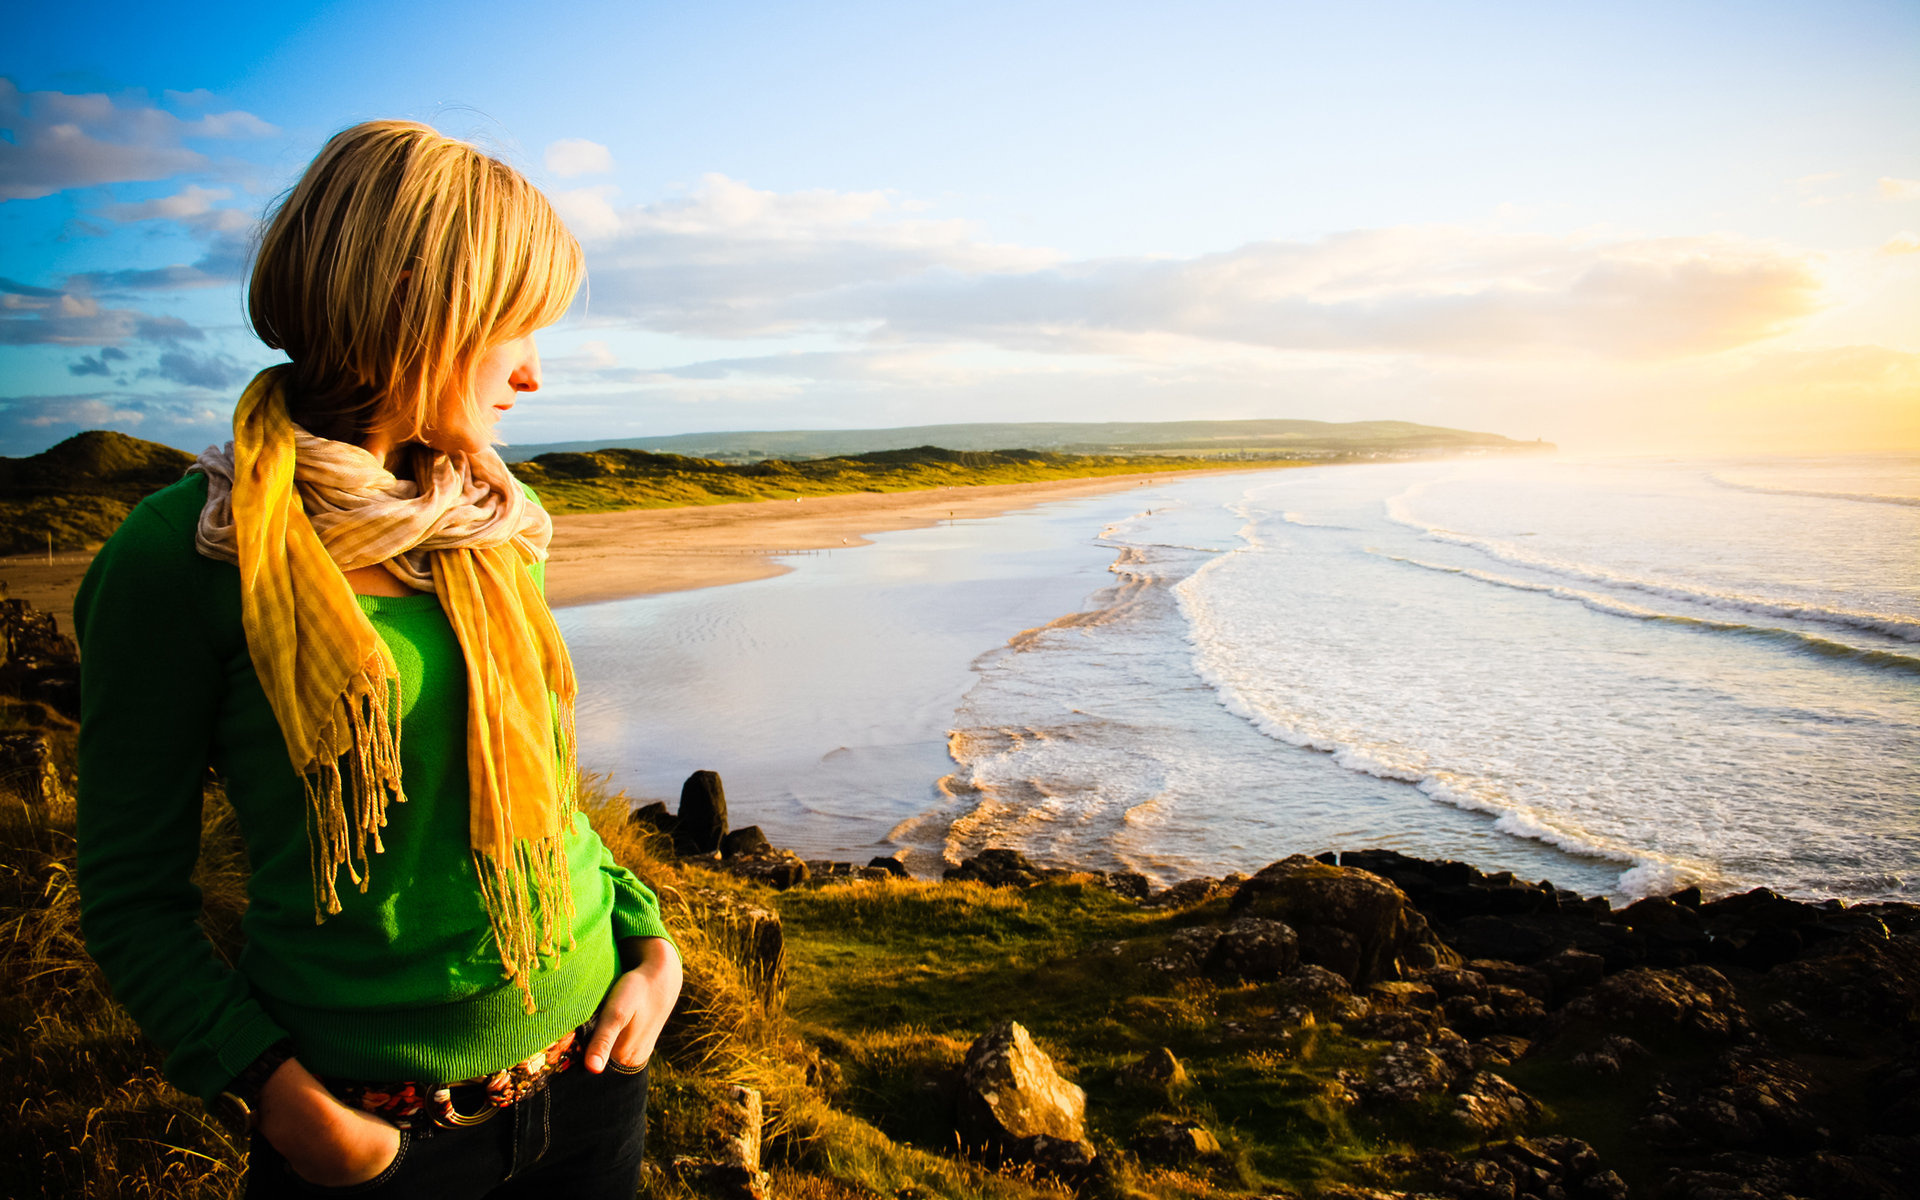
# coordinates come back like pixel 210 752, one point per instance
pixel 247 1039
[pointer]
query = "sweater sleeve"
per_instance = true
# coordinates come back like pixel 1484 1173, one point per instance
pixel 636 911
pixel 151 687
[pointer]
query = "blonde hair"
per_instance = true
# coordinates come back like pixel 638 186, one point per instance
pixel 399 258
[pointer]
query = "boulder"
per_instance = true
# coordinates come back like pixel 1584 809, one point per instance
pixel 748 841
pixel 1488 1103
pixel 1694 1001
pixel 1254 948
pixel 1156 1069
pixel 1170 1140
pixel 996 867
pixel 1405 1072
pixel 654 816
pixel 892 866
pixel 702 820
pixel 1860 978
pixel 27 769
pixel 1184 894
pixel 1013 1104
pixel 1351 921
pixel 1186 951
pixel 778 869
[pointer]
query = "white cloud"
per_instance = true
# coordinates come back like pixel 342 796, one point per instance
pixel 1899 189
pixel 1904 242
pixel 192 202
pixel 63 140
pixel 44 316
pixel 570 157
pixel 735 261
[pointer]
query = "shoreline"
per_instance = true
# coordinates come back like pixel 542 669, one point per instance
pixel 598 557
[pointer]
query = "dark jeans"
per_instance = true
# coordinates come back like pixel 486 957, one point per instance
pixel 581 1137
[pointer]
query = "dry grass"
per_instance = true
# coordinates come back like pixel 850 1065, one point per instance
pixel 93 1116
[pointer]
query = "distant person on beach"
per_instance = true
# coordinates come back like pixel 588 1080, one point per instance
pixel 340 611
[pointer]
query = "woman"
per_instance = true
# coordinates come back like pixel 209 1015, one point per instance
pixel 341 614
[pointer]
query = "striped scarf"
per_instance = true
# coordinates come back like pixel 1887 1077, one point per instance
pixel 294 512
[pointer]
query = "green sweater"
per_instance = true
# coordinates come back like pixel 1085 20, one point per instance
pixel 404 983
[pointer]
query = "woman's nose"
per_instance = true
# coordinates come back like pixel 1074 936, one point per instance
pixel 526 376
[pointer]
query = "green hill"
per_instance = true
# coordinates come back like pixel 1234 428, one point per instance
pixel 80 490
pixel 607 480
pixel 1213 439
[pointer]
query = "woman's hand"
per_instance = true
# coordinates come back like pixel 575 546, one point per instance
pixel 636 1009
pixel 325 1142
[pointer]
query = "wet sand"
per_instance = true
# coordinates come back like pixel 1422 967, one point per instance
pixel 612 556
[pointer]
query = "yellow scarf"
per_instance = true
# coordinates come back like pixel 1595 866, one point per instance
pixel 463 529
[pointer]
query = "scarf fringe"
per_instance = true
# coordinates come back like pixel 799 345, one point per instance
pixel 336 838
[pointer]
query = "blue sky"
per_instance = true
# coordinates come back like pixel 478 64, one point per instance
pixel 1621 227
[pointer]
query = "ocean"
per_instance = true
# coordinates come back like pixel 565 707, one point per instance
pixel 1624 676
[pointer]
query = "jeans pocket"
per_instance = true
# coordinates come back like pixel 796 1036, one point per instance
pixel 387 1175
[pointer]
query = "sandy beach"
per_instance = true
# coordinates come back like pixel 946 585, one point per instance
pixel 611 556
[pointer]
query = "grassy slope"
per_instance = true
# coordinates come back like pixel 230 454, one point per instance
pixel 606 480
pixel 889 982
pixel 80 490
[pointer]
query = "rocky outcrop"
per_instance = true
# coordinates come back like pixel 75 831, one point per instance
pixel 731 1167
pixel 1014 1106
pixel 38 664
pixel 1354 923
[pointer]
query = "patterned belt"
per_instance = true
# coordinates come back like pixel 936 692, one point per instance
pixel 422 1106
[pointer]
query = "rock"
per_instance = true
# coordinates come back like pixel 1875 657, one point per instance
pixel 1611 1055
pixel 1498 1050
pixel 1694 1001
pixel 1750 1100
pixel 1011 1095
pixel 1861 978
pixel 1185 894
pixel 731 1168
pixel 892 866
pixel 1449 982
pixel 1534 983
pixel 996 867
pixel 1405 1072
pixel 1314 986
pixel 1572 972
pixel 749 934
pixel 27 770
pixel 1156 1068
pixel 746 841
pixel 738 1129
pixel 778 869
pixel 38 663
pixel 702 820
pixel 1255 949
pixel 1186 951
pixel 1510 939
pixel 1351 921
pixel 1488 1103
pixel 1168 1140
pixel 654 816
